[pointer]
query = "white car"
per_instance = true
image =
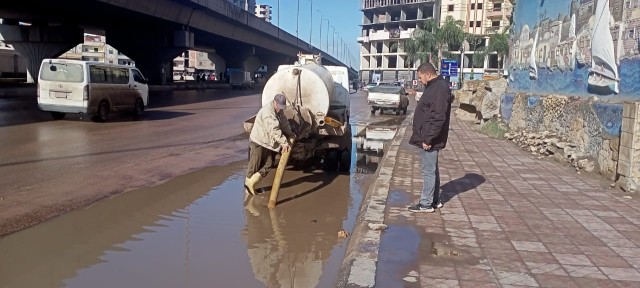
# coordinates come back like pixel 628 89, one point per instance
pixel 386 97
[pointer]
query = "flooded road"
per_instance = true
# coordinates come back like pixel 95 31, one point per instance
pixel 197 230
pixel 202 230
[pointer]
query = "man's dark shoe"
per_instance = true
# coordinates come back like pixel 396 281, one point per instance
pixel 437 205
pixel 421 208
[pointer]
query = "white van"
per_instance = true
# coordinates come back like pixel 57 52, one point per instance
pixel 74 86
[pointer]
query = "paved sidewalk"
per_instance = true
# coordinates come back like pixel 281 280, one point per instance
pixel 509 220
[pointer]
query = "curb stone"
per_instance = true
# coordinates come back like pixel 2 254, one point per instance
pixel 361 258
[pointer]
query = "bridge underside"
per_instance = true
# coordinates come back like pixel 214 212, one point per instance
pixel 150 39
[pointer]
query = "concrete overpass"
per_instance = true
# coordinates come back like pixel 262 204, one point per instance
pixel 153 33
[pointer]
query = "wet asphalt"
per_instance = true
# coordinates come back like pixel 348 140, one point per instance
pixel 185 220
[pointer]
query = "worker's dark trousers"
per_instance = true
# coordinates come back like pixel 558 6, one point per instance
pixel 260 160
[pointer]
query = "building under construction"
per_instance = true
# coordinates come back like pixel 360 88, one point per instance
pixel 386 24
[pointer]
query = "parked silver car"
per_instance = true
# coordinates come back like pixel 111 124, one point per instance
pixel 386 97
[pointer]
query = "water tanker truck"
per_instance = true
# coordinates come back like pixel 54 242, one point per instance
pixel 318 110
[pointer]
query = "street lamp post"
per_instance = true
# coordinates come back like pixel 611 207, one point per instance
pixel 321 20
pixel 297 21
pixel 311 28
pixel 327 35
pixel 333 37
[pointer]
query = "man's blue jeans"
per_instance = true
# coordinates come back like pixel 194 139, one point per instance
pixel 431 176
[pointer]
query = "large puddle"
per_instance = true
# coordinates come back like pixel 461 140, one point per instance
pixel 201 230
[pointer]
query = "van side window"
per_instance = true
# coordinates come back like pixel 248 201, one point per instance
pixel 137 76
pixel 98 74
pixel 119 75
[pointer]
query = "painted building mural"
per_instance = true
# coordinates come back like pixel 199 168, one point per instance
pixel 576 48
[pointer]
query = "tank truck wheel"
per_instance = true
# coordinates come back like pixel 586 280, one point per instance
pixel 331 160
pixel 345 160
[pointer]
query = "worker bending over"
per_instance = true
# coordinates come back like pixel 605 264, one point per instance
pixel 270 134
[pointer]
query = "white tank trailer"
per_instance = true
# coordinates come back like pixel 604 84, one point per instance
pixel 318 110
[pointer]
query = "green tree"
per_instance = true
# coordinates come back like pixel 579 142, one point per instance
pixel 433 39
pixel 479 52
pixel 499 43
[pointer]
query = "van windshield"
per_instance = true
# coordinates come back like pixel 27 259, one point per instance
pixel 62 72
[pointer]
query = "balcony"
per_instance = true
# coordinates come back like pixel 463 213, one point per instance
pixel 363 39
pixel 500 12
pixel 496 13
pixel 93 54
pixel 493 29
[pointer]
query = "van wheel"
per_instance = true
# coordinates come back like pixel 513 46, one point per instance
pixel 373 110
pixel 57 115
pixel 397 111
pixel 138 108
pixel 103 111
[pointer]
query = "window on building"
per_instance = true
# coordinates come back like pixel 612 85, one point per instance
pixel 96 59
pixel 473 6
pixel 95 49
pixel 379 47
pixel 111 51
pixel 630 34
pixel 111 61
pixel 497 6
pixel 495 23
pixel 450 8
pixel 478 23
pixel 471 24
pixel 479 6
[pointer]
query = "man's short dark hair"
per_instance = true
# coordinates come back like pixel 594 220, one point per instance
pixel 427 68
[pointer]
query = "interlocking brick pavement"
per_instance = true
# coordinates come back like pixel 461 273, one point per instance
pixel 509 220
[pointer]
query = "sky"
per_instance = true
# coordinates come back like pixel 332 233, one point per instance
pixel 344 15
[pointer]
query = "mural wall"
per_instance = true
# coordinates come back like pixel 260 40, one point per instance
pixel 576 47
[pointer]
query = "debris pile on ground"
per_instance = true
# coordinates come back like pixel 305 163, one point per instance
pixel 547 144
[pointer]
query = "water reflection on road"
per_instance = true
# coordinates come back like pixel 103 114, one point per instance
pixel 194 231
pixel 371 142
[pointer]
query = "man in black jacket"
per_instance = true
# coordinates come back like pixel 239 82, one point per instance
pixel 430 133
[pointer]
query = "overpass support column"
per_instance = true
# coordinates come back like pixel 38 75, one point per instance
pixel 240 57
pixel 38 42
pixel 152 51
pixel 273 61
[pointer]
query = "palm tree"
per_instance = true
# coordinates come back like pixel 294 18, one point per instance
pixel 434 39
pixel 479 53
pixel 499 43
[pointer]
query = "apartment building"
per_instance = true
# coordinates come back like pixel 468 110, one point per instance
pixel 248 5
pixel 386 25
pixel 95 48
pixel 482 18
pixel 263 12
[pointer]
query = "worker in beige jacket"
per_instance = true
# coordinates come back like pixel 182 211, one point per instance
pixel 270 134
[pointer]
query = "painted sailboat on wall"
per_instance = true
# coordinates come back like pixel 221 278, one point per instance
pixel 574 47
pixel 603 75
pixel 533 67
